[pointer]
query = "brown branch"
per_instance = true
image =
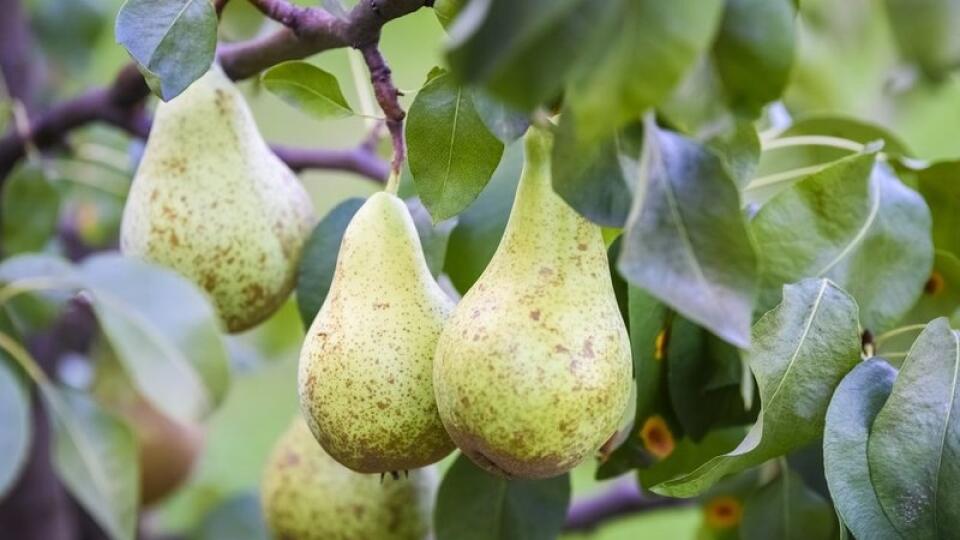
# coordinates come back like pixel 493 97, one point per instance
pixel 313 30
pixel 622 499
pixel 388 98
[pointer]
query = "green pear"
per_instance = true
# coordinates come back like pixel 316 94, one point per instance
pixel 533 371
pixel 211 201
pixel 366 366
pixel 306 495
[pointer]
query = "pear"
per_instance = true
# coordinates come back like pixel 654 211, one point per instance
pixel 366 366
pixel 211 201
pixel 533 371
pixel 306 495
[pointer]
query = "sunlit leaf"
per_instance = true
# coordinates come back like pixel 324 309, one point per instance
pixel 308 88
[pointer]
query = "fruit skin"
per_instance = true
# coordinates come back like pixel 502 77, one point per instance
pixel 306 495
pixel 366 366
pixel 533 371
pixel 212 201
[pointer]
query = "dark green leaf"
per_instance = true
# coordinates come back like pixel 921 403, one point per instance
pixel 703 375
pixel 753 51
pixel 308 88
pixel 29 211
pixel 15 418
pixel 163 330
pixel 452 154
pixel 475 505
pixel 479 227
pixel 69 30
pixel 686 241
pixel 433 237
pixel 940 187
pixel 786 509
pixel 739 147
pixel 96 457
pixel 852 410
pixel 914 446
pixel 801 350
pixel 172 41
pixel 637 52
pixel 520 51
pixel 505 122
pixel 855 223
pixel 688 455
pixel 319 259
pixel 596 178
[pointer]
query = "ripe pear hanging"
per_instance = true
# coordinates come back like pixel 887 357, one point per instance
pixel 212 201
pixel 366 367
pixel 532 371
pixel 308 496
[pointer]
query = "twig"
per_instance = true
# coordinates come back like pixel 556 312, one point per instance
pixel 621 499
pixel 388 98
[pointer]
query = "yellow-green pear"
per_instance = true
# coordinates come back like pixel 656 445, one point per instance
pixel 366 366
pixel 212 201
pixel 533 370
pixel 306 495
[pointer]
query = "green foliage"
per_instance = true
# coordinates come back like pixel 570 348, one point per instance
pixel 475 505
pixel 308 88
pixel 686 241
pixel 15 419
pixel 452 153
pixel 173 43
pixel 29 212
pixel 787 509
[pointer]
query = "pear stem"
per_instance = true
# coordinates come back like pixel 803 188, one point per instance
pixel 393 183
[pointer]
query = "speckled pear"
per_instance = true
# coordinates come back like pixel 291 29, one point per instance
pixel 212 201
pixel 366 366
pixel 533 369
pixel 306 495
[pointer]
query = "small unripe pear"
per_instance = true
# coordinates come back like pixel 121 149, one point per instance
pixel 366 367
pixel 533 371
pixel 211 201
pixel 306 495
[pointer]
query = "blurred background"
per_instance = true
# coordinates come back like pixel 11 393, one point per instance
pixel 847 62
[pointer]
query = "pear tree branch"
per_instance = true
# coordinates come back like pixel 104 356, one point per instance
pixel 623 498
pixel 305 31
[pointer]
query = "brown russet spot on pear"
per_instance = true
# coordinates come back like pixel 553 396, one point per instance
pixel 544 377
pixel 366 366
pixel 211 201
pixel 306 495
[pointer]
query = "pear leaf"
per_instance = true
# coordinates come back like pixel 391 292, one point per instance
pixel 172 41
pixel 801 350
pixel 307 87
pixel 15 419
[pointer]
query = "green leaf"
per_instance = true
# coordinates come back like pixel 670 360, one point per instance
pixel 787 510
pixel 479 227
pixel 447 10
pixel 925 33
pixel 29 211
pixel 852 411
pixel 703 375
pixel 636 53
pixel 855 223
pixel 520 51
pixel 801 350
pixel 452 154
pixel 596 179
pixel 690 454
pixel 503 121
pixel 15 418
pixel 475 505
pixel 940 186
pixel 686 241
pixel 163 330
pixel 172 41
pixel 308 88
pixel 434 237
pixel 739 147
pixel 319 259
pixel 753 51
pixel 914 453
pixel 96 457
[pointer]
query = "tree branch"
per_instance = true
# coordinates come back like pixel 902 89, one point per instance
pixel 621 499
pixel 311 30
pixel 388 98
